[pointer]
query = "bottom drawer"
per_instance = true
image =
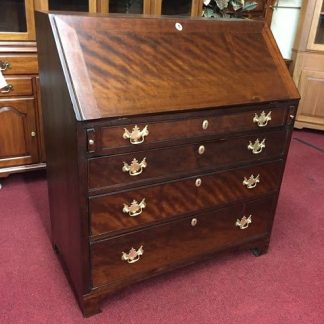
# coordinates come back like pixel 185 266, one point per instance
pixel 154 249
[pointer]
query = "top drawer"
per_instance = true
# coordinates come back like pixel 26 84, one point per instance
pixel 18 64
pixel 135 135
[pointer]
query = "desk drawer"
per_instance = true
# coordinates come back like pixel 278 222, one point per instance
pixel 116 212
pixel 17 86
pixel 178 242
pixel 18 64
pixel 128 135
pixel 167 163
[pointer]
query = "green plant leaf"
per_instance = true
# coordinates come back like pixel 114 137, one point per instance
pixel 249 6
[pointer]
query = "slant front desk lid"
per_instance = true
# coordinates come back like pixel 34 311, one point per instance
pixel 117 66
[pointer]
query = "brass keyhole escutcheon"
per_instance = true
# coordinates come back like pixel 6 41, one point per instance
pixel 198 182
pixel 201 149
pixel 205 124
pixel 194 222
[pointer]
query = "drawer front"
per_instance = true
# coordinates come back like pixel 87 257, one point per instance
pixel 159 164
pixel 178 242
pixel 154 132
pixel 18 64
pixel 17 86
pixel 116 212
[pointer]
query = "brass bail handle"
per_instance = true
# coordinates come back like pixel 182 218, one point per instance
pixel 136 136
pixel 9 87
pixel 263 119
pixel 135 208
pixel 4 66
pixel 257 147
pixel 135 168
pixel 244 222
pixel 133 255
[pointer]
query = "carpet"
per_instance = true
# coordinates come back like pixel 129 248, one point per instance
pixel 284 286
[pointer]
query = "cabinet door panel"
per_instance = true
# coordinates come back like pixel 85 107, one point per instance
pixel 311 107
pixel 17 132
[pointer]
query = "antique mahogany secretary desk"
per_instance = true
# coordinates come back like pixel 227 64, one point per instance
pixel 166 140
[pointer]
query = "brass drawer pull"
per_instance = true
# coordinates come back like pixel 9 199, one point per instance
pixel 244 222
pixel 135 208
pixel 135 168
pixel 4 66
pixel 132 256
pixel 263 119
pixel 252 181
pixel 136 136
pixel 257 147
pixel 198 182
pixel 9 87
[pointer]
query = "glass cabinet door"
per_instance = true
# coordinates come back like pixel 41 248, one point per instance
pixel 179 8
pixel 16 20
pixel 68 5
pixel 124 6
pixel 13 16
pixel 316 35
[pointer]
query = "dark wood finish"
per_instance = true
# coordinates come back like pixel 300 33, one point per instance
pixel 17 119
pixel 172 199
pixel 178 241
pixel 100 74
pixel 106 172
pixel 112 137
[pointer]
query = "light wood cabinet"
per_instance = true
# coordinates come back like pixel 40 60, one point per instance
pixel 308 65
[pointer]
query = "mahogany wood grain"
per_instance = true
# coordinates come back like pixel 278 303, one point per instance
pixel 20 63
pixel 172 199
pixel 17 120
pixel 205 52
pixel 21 86
pixel 112 137
pixel 105 173
pixel 178 241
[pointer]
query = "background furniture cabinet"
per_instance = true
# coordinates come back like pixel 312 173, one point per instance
pixel 308 66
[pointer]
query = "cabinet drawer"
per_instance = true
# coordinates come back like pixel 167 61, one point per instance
pixel 115 212
pixel 129 135
pixel 17 86
pixel 159 164
pixel 178 242
pixel 19 64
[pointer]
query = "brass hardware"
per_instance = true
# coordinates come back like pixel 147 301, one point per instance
pixel 9 87
pixel 33 134
pixel 178 26
pixel 201 149
pixel 198 182
pixel 244 222
pixel 252 181
pixel 4 66
pixel 136 136
pixel 194 222
pixel 263 119
pixel 257 147
pixel 292 116
pixel 91 142
pixel 135 168
pixel 135 208
pixel 132 256
pixel 205 124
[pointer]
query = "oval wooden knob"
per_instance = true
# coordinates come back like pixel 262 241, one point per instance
pixel 194 222
pixel 201 149
pixel 205 124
